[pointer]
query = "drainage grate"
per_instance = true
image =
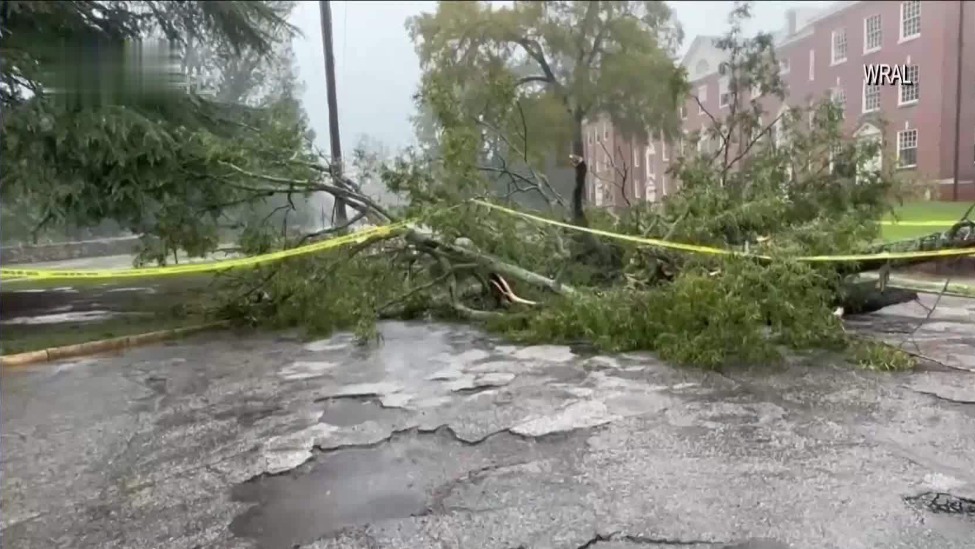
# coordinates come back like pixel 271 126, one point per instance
pixel 942 502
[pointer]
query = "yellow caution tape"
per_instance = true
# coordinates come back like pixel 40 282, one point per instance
pixel 351 238
pixel 694 248
pixel 385 230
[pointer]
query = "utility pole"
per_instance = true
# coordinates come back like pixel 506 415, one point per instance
pixel 961 34
pixel 339 216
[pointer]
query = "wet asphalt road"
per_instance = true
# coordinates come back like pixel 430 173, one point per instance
pixel 444 438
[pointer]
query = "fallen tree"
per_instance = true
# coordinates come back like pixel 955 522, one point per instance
pixel 792 186
pixel 806 190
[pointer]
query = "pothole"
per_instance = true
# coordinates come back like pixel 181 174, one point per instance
pixel 943 502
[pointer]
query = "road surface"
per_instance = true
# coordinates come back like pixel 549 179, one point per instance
pixel 442 437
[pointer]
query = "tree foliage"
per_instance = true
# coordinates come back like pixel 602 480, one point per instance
pixel 136 114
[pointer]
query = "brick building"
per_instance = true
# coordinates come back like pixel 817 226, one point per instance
pixel 822 53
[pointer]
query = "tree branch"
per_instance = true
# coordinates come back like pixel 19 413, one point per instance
pixel 528 79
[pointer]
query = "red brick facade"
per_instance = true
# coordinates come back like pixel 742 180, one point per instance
pixel 811 50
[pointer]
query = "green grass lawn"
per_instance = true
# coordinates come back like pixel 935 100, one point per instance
pixel 950 212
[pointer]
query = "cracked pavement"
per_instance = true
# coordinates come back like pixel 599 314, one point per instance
pixel 443 437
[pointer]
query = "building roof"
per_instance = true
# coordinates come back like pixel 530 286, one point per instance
pixel 699 42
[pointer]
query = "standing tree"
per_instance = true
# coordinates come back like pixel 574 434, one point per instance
pixel 561 61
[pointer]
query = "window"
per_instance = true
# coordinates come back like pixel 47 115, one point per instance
pixel 871 98
pixel 636 158
pixel 663 149
pixel 784 66
pixel 663 183
pixel 683 112
pixel 910 19
pixel 597 190
pixel 812 65
pixel 702 96
pixel 839 46
pixel 872 35
pixel 780 137
pixel 606 132
pixel 650 172
pixel 838 96
pixel 909 94
pixel 907 148
pixel 756 90
pixel 724 97
pixel 647 151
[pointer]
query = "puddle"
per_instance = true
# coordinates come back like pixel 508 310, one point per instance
pixel 346 412
pixel 127 290
pixel 58 318
pixel 305 370
pixel 247 416
pixel 350 487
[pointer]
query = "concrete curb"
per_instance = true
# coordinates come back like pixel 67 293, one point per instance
pixel 103 345
pixel 928 286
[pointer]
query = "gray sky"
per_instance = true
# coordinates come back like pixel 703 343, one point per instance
pixel 377 70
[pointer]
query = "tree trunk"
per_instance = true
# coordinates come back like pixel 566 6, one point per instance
pixel 581 170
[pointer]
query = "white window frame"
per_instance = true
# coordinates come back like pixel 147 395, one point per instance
pixel 683 112
pixel 724 94
pixel 784 66
pixel 914 73
pixel 812 64
pixel 917 16
pixel 879 33
pixel 651 171
pixel 756 90
pixel 902 136
pixel 597 190
pixel 647 153
pixel 636 157
pixel 838 97
pixel 864 102
pixel 663 150
pixel 834 51
pixel 702 97
pixel 663 183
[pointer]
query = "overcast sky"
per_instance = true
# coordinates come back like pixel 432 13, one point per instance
pixel 377 70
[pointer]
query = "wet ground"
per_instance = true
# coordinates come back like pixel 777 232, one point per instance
pixel 445 438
